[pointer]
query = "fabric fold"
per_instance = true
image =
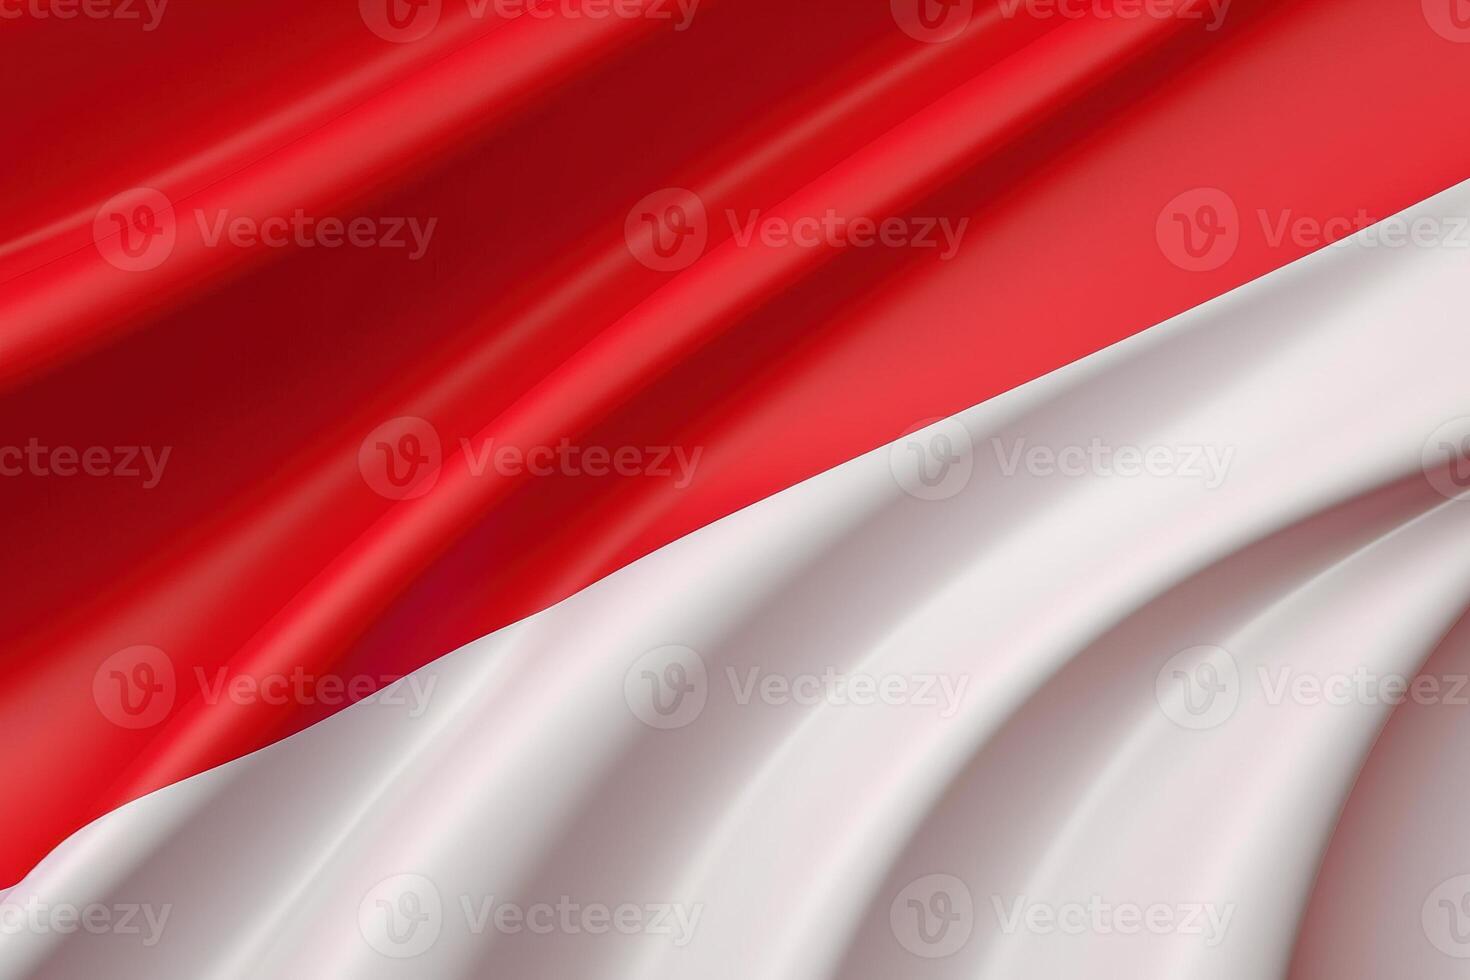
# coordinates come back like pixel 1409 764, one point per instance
pixel 1078 681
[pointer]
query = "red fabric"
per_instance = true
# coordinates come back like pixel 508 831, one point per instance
pixel 529 320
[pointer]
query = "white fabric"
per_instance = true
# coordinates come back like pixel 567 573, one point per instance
pixel 1068 623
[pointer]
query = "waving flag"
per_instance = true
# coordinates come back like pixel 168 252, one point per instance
pixel 706 488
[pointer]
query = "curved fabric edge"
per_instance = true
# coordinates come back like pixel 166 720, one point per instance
pixel 670 743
